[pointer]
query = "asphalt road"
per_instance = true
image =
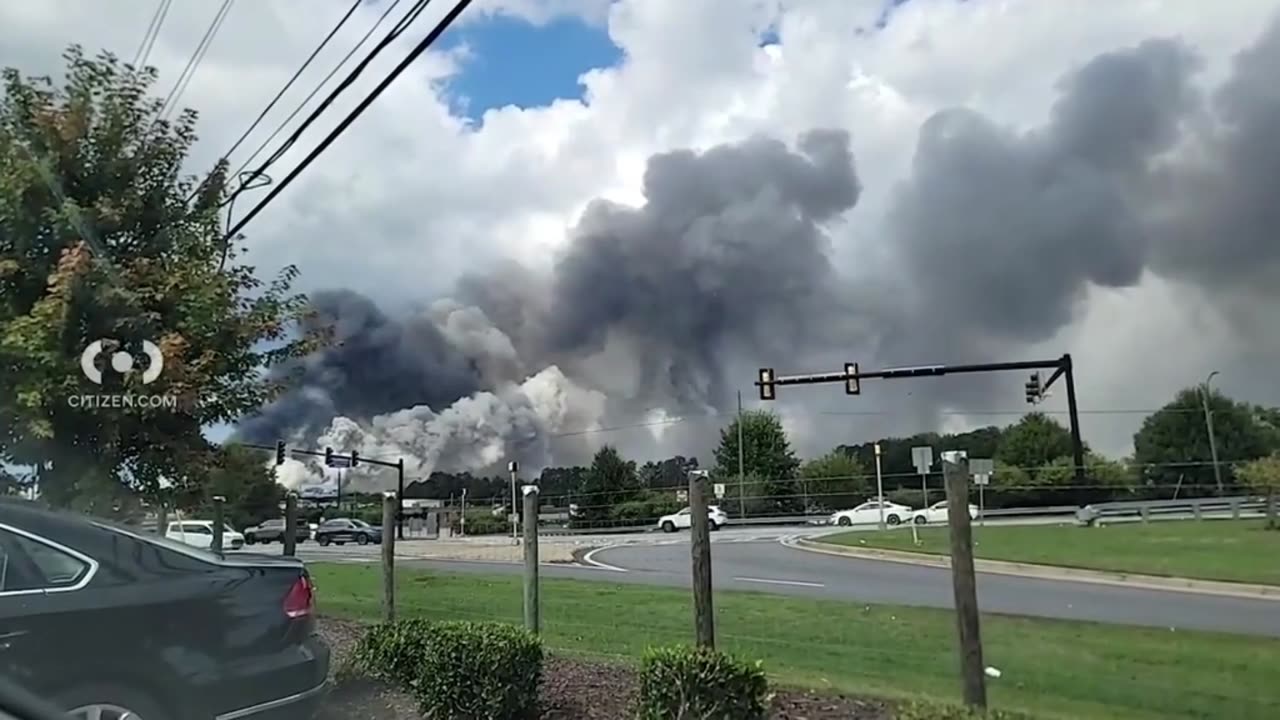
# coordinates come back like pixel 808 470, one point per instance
pixel 770 567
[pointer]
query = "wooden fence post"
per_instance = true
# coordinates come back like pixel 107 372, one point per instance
pixel 532 616
pixel 291 523
pixel 389 508
pixel 964 583
pixel 700 534
pixel 219 512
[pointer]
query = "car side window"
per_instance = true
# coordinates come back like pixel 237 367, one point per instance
pixel 195 529
pixel 174 527
pixel 27 564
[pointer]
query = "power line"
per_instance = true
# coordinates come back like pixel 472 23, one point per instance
pixel 421 47
pixel 318 87
pixel 409 18
pixel 307 63
pixel 171 101
pixel 153 32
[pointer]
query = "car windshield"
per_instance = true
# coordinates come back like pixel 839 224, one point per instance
pixel 360 524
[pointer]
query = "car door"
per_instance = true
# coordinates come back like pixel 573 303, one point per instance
pixel 868 512
pixel 684 519
pixel 938 513
pixel 197 535
pixel 32 575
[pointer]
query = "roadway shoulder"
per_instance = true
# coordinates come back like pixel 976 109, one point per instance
pixel 1046 572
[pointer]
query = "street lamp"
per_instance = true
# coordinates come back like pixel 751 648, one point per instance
pixel 1208 424
pixel 879 487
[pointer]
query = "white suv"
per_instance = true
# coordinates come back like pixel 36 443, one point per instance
pixel 683 520
pixel 199 533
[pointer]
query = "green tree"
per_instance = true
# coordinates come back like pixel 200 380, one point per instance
pixel 670 473
pixel 1263 476
pixel 767 454
pixel 242 476
pixel 834 481
pixel 1107 480
pixel 1172 446
pixel 102 236
pixel 609 481
pixel 1032 443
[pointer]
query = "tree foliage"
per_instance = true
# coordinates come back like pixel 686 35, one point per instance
pixel 609 481
pixel 835 481
pixel 767 454
pixel 102 236
pixel 670 473
pixel 1263 476
pixel 1173 443
pixel 1034 442
pixel 243 477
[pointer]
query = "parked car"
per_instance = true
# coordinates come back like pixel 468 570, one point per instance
pixel 868 513
pixel 273 531
pixel 199 533
pixel 683 520
pixel 937 513
pixel 109 622
pixel 345 530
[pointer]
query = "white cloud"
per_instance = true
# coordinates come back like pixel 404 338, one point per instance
pixel 412 196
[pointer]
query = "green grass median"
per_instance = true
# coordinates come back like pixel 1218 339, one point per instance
pixel 1049 668
pixel 1229 550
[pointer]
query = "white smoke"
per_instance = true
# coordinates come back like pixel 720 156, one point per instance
pixel 479 433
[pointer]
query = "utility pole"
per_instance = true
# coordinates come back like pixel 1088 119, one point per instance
pixel 1208 426
pixel 964 583
pixel 742 473
pixel 390 509
pixel 879 486
pixel 532 619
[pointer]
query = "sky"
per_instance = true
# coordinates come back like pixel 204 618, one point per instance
pixel 493 146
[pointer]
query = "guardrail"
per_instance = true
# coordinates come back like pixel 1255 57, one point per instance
pixel 1163 509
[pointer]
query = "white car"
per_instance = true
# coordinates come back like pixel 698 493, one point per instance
pixel 683 520
pixel 199 533
pixel 937 513
pixel 868 513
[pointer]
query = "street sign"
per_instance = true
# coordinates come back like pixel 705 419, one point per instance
pixel 922 458
pixel 981 479
pixel 982 466
pixel 682 496
pixel 719 488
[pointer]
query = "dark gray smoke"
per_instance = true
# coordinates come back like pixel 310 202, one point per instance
pixel 726 255
pixel 995 237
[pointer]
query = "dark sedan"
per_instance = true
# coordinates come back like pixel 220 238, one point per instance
pixel 112 623
pixel 273 531
pixel 344 530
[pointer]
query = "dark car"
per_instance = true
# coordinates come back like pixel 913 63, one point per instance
pixel 344 530
pixel 108 622
pixel 273 531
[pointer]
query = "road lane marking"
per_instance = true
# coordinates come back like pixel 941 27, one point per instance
pixel 588 559
pixel 797 583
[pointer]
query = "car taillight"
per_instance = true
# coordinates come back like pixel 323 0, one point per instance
pixel 301 598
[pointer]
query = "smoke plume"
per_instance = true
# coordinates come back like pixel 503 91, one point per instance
pixel 994 237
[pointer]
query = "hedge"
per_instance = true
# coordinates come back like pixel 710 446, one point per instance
pixel 482 522
pixel 700 684
pixel 457 670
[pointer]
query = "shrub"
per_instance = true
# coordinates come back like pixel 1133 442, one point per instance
pixel 911 497
pixel 457 670
pixel 393 651
pixel 482 522
pixel 645 510
pixel 700 684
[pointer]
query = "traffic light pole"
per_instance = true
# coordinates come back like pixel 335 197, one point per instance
pixel 852 378
pixel 353 459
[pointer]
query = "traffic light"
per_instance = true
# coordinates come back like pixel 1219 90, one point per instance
pixel 355 458
pixel 852 385
pixel 328 457
pixel 1035 392
pixel 279 452
pixel 767 388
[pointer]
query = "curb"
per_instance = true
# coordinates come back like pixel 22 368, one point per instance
pixel 1049 572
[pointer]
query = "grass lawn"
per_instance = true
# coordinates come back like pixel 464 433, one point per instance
pixel 1232 550
pixel 1050 668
